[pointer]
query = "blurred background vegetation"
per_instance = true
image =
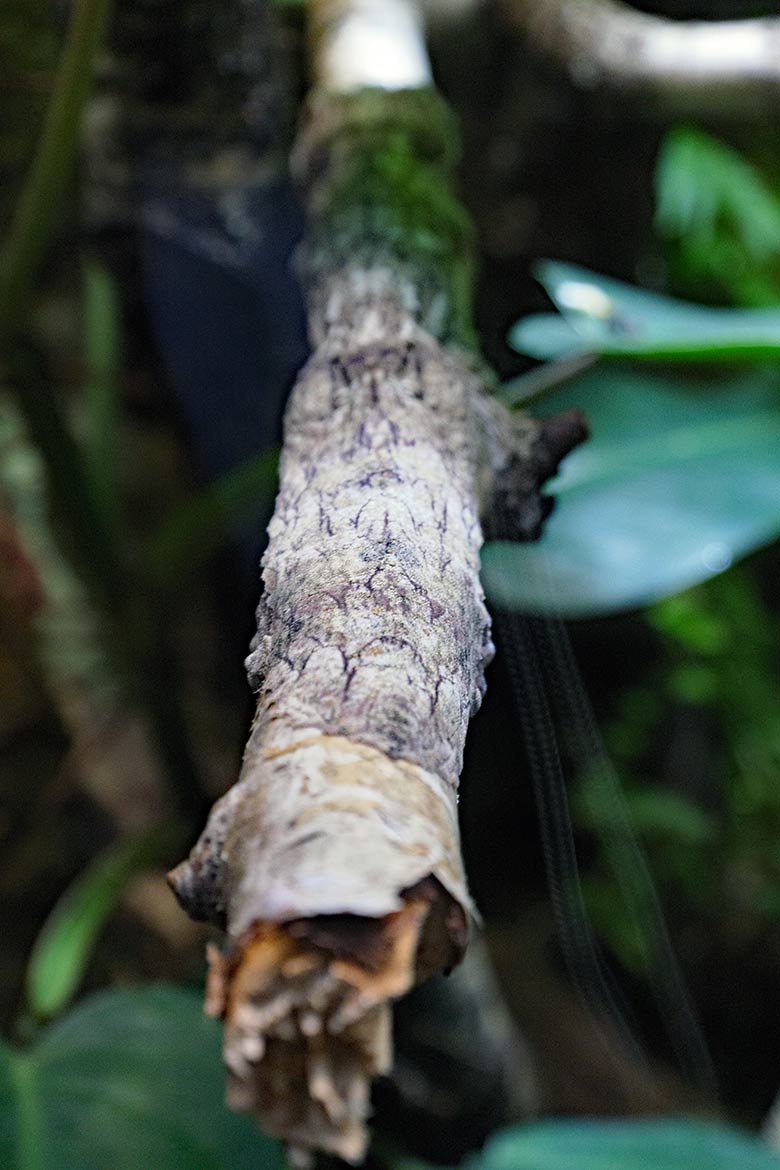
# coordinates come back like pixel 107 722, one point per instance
pixel 150 327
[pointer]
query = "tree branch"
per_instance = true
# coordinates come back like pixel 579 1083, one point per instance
pixel 605 42
pixel 334 863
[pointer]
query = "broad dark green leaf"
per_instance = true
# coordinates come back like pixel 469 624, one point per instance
pixel 673 486
pixel 616 320
pixel 129 1080
pixel 674 1144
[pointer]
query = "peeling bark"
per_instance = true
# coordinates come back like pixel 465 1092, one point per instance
pixel 334 863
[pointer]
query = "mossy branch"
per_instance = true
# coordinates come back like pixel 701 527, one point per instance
pixel 379 184
pixel 334 863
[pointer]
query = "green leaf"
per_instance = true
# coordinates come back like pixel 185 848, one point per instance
pixel 616 320
pixel 687 621
pixel 35 215
pixel 102 347
pixel 654 813
pixel 546 337
pixel 701 181
pixel 719 216
pixel 127 1080
pixel 625 1145
pixel 66 939
pixel 197 529
pixel 674 485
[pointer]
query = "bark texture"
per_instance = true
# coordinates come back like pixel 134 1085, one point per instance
pixel 334 863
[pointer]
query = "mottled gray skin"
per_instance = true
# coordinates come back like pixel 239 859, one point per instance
pixel 372 642
pixel 372 627
pixel 373 624
pixel 373 635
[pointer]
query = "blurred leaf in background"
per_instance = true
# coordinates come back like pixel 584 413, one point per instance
pixel 29 43
pixel 64 944
pixel 707 810
pixel 128 1079
pixel 680 479
pixel 624 1145
pixel 102 329
pixel 720 220
pixel 616 320
pixel 677 482
pixel 200 526
pixel 697 741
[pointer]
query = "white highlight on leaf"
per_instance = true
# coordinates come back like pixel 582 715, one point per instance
pixel 584 298
pixel 716 557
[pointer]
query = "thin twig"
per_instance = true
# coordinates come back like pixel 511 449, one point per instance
pixel 545 378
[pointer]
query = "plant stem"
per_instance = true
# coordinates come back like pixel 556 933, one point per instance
pixel 91 548
pixel 32 224
pixel 29 1151
pixel 372 634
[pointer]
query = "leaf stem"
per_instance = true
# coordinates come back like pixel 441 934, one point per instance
pixel 542 380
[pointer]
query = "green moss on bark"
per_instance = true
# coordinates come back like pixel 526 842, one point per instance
pixel 379 170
